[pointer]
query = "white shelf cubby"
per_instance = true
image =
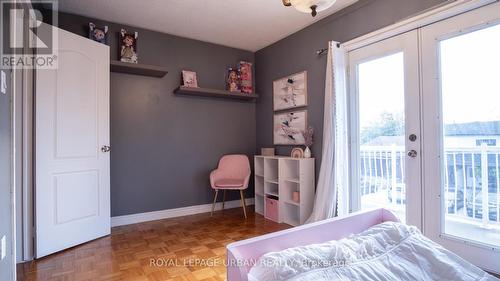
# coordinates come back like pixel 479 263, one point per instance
pixel 281 176
pixel 259 166
pixel 259 185
pixel 271 170
pixel 259 204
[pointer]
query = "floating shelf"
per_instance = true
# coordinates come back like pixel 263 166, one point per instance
pixel 191 91
pixel 138 69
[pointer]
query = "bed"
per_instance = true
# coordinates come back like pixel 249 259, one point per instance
pixel 369 245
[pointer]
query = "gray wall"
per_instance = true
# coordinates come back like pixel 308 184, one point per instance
pixel 298 52
pixel 6 210
pixel 164 146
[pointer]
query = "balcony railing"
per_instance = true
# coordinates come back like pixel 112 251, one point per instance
pixel 471 181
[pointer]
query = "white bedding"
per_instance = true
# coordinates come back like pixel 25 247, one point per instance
pixel 388 251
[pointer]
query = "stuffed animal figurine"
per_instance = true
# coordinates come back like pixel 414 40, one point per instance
pixel 98 34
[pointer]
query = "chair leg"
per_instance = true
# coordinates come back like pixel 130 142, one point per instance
pixel 215 200
pixel 223 199
pixel 243 203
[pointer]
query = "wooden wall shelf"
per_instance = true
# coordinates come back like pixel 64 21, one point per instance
pixel 205 92
pixel 138 69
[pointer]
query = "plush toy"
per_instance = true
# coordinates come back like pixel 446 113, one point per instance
pixel 98 34
pixel 128 46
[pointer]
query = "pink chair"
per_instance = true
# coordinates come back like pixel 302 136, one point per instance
pixel 233 173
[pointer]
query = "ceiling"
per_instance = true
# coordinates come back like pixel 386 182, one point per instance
pixel 244 24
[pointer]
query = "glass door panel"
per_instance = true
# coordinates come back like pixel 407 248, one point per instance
pixel 470 93
pixel 382 133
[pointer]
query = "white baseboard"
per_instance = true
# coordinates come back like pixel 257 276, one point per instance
pixel 172 213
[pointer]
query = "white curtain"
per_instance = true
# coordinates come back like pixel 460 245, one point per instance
pixel 332 196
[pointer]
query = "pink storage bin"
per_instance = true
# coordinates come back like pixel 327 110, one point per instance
pixel 272 209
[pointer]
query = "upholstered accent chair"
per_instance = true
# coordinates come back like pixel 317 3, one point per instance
pixel 233 173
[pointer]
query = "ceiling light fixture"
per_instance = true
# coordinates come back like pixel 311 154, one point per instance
pixel 309 6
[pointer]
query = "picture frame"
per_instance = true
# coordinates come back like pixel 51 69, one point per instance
pixel 267 151
pixel 288 127
pixel 189 79
pixel 290 91
pixel 297 152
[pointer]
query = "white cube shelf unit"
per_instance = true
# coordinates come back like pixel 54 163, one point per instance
pixel 278 177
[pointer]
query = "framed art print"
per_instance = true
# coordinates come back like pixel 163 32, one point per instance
pixel 189 79
pixel 288 127
pixel 290 91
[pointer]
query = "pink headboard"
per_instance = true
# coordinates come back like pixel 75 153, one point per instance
pixel 243 254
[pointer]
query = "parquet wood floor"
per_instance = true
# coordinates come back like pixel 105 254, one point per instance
pixel 185 248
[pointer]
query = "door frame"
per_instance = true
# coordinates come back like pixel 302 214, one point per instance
pixel 430 16
pixel 23 126
pixel 21 89
pixel 23 159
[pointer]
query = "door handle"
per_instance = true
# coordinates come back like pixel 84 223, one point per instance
pixel 105 148
pixel 412 153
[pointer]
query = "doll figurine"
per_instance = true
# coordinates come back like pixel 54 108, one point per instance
pixel 128 49
pixel 233 80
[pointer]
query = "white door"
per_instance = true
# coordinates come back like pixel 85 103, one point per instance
pixel 385 126
pixel 72 125
pixel 461 105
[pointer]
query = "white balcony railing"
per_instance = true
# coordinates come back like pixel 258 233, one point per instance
pixel 471 184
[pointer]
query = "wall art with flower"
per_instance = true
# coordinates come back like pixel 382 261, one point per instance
pixel 288 127
pixel 290 91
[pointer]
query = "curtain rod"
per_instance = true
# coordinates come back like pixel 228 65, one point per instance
pixel 324 50
pixel 321 51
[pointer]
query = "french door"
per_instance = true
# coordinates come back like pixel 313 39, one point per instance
pixel 425 131
pixel 385 121
pixel 461 126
